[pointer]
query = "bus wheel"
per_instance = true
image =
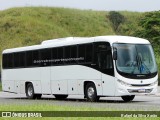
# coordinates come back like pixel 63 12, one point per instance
pixel 128 98
pixel 30 91
pixel 61 97
pixel 91 92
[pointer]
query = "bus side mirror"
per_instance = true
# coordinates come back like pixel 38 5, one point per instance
pixel 115 54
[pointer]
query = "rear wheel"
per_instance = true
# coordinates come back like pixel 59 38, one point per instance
pixel 128 98
pixel 91 92
pixel 30 92
pixel 61 97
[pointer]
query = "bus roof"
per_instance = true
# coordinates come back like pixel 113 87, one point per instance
pixel 80 40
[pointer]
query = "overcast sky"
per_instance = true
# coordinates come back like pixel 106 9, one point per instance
pixel 107 5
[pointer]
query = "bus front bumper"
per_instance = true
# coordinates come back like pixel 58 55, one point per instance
pixel 123 90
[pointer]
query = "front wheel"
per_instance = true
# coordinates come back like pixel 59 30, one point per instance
pixel 128 98
pixel 91 92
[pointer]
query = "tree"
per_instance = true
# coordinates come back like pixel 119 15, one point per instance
pixel 116 19
pixel 150 27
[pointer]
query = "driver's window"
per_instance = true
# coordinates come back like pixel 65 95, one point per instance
pixel 105 60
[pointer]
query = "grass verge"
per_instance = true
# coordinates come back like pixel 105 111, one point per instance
pixel 48 107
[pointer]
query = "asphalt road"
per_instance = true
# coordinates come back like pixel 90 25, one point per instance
pixel 144 103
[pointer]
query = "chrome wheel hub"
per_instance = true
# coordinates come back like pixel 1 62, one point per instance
pixel 90 92
pixel 30 91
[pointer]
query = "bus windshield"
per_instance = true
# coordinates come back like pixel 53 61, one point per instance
pixel 135 59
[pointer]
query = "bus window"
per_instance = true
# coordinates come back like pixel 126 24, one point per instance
pixel 54 56
pixel 29 61
pixel 16 59
pixel 89 52
pixel 5 60
pixel 36 58
pixel 67 55
pixel 105 60
pixel 60 56
pixel 74 54
pixel 21 59
pixel 10 60
pixel 81 53
pixel 103 57
pixel 45 57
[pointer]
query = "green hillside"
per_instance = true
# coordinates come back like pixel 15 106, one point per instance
pixel 31 25
pixel 27 26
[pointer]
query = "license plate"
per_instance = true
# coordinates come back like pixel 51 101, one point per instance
pixel 141 91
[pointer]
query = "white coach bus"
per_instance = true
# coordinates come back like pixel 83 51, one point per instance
pixel 94 67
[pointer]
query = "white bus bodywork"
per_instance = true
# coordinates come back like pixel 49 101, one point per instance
pixel 71 79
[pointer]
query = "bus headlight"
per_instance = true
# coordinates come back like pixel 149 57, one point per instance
pixel 155 83
pixel 123 83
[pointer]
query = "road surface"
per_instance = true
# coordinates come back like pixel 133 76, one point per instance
pixel 144 103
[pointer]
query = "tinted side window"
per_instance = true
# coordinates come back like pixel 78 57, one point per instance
pixel 67 55
pixel 81 53
pixel 36 58
pixel 100 47
pixel 74 54
pixel 54 56
pixel 103 57
pixel 29 61
pixel 21 59
pixel 5 61
pixel 10 60
pixel 45 57
pixel 89 52
pixel 16 59
pixel 60 55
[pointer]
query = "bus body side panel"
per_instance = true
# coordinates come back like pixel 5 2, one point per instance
pixel 75 76
pixel 15 79
pixel 108 83
pixel 8 83
pixel 45 80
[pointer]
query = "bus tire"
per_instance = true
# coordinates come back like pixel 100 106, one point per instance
pixel 128 98
pixel 30 91
pixel 61 97
pixel 91 92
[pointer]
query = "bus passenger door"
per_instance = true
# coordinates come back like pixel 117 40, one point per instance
pixel 105 63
